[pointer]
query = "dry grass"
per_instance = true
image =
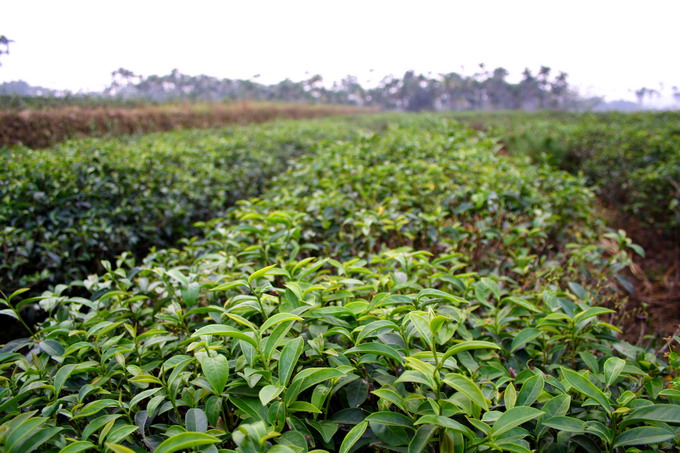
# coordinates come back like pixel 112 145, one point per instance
pixel 40 128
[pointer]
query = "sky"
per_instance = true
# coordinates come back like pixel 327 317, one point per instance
pixel 607 47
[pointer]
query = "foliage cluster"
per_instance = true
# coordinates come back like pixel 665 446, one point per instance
pixel 407 290
pixel 66 208
pixel 633 160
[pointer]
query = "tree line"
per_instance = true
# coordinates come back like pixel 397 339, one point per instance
pixel 484 90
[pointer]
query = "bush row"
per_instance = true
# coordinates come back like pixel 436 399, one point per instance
pixel 66 208
pixel 632 159
pixel 409 290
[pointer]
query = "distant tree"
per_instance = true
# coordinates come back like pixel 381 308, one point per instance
pixel 314 88
pixel 559 91
pixel 498 90
pixel 645 92
pixel 529 91
pixel 4 45
pixel 121 79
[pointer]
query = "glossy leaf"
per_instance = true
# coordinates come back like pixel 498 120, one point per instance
pixel 353 437
pixel 513 418
pixel 584 386
pixel 184 441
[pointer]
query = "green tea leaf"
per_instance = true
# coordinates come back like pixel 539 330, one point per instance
pixel 353 437
pixel 667 413
pixel 117 448
pixel 377 349
pixel 77 447
pixel 35 439
pixel 530 390
pixel 274 340
pixel 260 273
pixel 522 303
pixel 224 331
pixel 196 420
pixel 373 327
pixel 584 386
pixel 269 392
pixel 513 418
pixel 510 396
pixel 52 347
pixel 279 318
pixel 390 419
pixel 183 441
pixel 467 387
pixel 612 369
pixel 643 435
pixel 95 407
pixel 445 422
pixel 525 336
pixel 290 354
pixel 568 424
pixel 61 376
pixel 326 429
pixel 421 439
pixel 468 345
pixel 216 370
pixel 423 328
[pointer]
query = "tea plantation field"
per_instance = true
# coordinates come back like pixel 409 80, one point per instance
pixel 632 160
pixel 398 284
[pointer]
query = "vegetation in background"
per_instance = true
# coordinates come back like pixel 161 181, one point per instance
pixel 484 90
pixel 405 290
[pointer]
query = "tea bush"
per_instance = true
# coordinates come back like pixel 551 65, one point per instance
pixel 407 290
pixel 632 159
pixel 66 208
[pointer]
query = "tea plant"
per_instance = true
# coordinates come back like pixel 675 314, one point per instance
pixel 407 290
pixel 632 159
pixel 66 208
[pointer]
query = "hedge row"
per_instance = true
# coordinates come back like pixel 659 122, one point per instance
pixel 633 160
pixel 66 208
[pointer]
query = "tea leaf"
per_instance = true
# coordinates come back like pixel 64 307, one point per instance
pixel 196 420
pixel 353 437
pixel 513 418
pixel 290 354
pixel 467 346
pixel 612 369
pixel 390 419
pixel 269 392
pixel 466 386
pixel 584 386
pixel 668 413
pixel 377 349
pixel 643 435
pixel 216 370
pixel 224 331
pixel 184 441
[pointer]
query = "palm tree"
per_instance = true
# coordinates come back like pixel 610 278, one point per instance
pixel 4 45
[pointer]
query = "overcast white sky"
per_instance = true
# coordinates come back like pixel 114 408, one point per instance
pixel 607 47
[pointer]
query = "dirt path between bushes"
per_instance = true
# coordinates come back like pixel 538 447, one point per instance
pixel 654 306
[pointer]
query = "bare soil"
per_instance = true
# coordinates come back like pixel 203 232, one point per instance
pixel 653 309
